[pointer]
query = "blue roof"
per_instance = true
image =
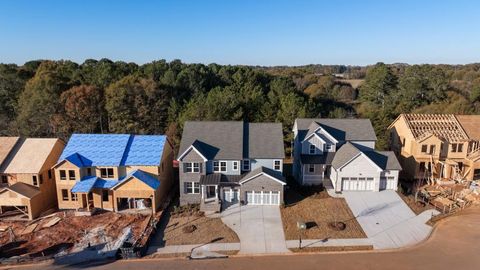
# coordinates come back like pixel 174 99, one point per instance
pixel 142 176
pixel 85 185
pixel 114 150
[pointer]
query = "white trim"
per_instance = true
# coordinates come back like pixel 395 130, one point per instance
pixel 235 163
pixel 188 149
pixel 360 154
pixel 262 173
pixel 326 133
pixel 219 165
pixel 279 170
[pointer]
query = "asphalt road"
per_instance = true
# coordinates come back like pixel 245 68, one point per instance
pixel 453 245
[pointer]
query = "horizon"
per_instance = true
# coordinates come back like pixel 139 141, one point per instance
pixel 249 33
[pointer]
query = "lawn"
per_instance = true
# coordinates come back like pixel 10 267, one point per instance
pixel 192 227
pixel 318 210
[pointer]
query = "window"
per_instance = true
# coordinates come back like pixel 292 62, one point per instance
pixel 424 148
pixel 219 166
pixel 106 173
pixel 328 147
pixel 35 182
pixel 64 194
pixel 312 149
pixel 71 175
pixel 192 188
pixel 277 165
pixel 460 147
pixel 41 178
pixel 235 165
pixel 50 174
pixel 454 147
pixel 89 171
pixel 74 196
pixel 246 165
pixel 63 175
pixel 105 195
pixel 4 179
pixel 191 167
pixel 311 168
pixel 432 149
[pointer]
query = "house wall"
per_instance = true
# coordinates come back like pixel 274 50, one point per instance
pixel 313 140
pixel 261 183
pixel 297 150
pixel 66 184
pixel 361 166
pixel 134 189
pixel 229 171
pixel 191 156
pixel 267 163
pixel 314 178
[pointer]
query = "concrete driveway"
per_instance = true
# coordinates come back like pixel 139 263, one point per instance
pixel 387 220
pixel 259 228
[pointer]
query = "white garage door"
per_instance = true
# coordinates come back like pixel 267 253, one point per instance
pixel 357 183
pixel 263 197
pixel 388 183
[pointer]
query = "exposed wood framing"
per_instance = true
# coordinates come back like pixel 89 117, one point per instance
pixel 445 126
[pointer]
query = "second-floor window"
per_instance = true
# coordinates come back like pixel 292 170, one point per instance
pixel 191 167
pixel 424 148
pixel 34 180
pixel 63 175
pixel 71 175
pixel 219 166
pixel 432 149
pixel 328 147
pixel 106 172
pixel 277 165
pixel 235 165
pixel 457 147
pixel 312 149
pixel 246 165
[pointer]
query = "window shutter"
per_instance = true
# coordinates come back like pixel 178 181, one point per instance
pixel 200 167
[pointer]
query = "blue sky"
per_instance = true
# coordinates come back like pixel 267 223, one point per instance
pixel 262 32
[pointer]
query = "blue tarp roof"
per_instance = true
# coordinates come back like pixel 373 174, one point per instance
pixel 89 182
pixel 114 150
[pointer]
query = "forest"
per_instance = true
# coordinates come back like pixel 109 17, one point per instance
pixel 45 98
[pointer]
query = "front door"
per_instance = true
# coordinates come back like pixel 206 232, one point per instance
pixel 211 192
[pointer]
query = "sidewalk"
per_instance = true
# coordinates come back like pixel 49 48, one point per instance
pixel 189 248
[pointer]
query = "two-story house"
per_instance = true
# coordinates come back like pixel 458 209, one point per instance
pixel 114 172
pixel 342 151
pixel 437 146
pixel 27 184
pixel 231 162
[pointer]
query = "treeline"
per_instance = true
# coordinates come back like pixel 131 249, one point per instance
pixel 57 98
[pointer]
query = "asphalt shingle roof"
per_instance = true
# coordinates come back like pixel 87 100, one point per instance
pixel 344 154
pixel 386 160
pixel 233 139
pixel 114 150
pixel 340 129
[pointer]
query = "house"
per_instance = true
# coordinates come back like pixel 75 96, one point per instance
pixel 437 146
pixel 26 181
pixel 341 151
pixel 114 172
pixel 231 162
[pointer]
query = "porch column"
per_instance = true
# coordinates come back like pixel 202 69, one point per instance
pixel 154 203
pixel 216 193
pixel 202 190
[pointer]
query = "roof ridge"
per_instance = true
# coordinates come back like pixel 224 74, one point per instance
pixel 127 150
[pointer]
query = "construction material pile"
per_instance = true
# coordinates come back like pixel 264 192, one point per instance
pixel 451 197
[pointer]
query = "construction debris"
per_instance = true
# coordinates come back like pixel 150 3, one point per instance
pixel 52 222
pixel 29 229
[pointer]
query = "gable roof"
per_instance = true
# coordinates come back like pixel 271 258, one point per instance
pixel 444 126
pixel 470 124
pixel 23 189
pixel 114 150
pixel 346 153
pixel 276 175
pixel 6 146
pixel 233 139
pixel 385 160
pixel 29 155
pixel 340 129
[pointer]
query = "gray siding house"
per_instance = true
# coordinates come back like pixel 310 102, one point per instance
pixel 223 163
pixel 341 152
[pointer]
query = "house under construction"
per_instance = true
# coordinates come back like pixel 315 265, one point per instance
pixel 437 147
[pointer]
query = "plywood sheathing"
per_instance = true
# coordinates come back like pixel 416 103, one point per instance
pixel 444 126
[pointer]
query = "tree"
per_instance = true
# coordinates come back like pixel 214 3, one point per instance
pixel 40 100
pixel 379 83
pixel 11 85
pixel 82 111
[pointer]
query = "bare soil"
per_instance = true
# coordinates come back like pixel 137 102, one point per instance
pixel 417 207
pixel 319 210
pixel 69 231
pixel 207 230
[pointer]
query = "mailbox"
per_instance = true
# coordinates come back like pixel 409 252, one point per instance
pixel 301 225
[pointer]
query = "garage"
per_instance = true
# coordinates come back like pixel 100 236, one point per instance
pixel 263 197
pixel 388 183
pixel 358 183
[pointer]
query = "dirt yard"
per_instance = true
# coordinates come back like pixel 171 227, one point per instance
pixel 317 209
pixel 192 227
pixel 417 207
pixel 69 231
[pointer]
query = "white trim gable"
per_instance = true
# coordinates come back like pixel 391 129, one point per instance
pixel 324 132
pixel 259 174
pixel 356 156
pixel 190 148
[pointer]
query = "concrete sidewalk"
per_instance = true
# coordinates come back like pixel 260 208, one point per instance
pixel 188 248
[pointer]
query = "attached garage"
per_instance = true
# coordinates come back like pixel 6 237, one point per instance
pixel 231 195
pixel 358 183
pixel 389 182
pixel 263 198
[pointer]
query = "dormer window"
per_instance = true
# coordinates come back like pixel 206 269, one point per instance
pixel 106 173
pixel 312 149
pixel 328 147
